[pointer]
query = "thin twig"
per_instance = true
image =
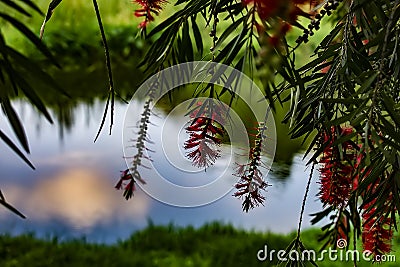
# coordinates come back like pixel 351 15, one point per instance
pixel 303 205
pixel 111 93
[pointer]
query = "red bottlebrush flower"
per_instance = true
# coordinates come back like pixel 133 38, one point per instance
pixel 125 176
pixel 148 7
pixel 281 16
pixel 287 10
pixel 377 231
pixel 204 155
pixel 264 8
pixel 250 187
pixel 127 182
pixel 336 172
pixel 205 134
pixel 130 176
pixel 251 179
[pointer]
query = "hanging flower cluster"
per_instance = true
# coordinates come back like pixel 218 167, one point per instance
pixel 340 176
pixel 284 15
pixel 147 8
pixel 205 133
pixel 251 178
pixel 265 8
pixel 127 182
pixel 130 176
pixel 377 231
pixel 337 169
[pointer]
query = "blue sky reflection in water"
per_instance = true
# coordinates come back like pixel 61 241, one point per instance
pixel 71 193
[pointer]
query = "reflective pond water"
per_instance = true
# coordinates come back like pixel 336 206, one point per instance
pixel 71 193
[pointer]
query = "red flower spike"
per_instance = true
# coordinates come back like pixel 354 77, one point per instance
pixel 205 134
pixel 129 189
pixel 280 16
pixel 204 156
pixel 148 7
pixel 130 176
pixel 287 10
pixel 125 176
pixel 127 182
pixel 377 231
pixel 336 173
pixel 264 8
pixel 251 179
